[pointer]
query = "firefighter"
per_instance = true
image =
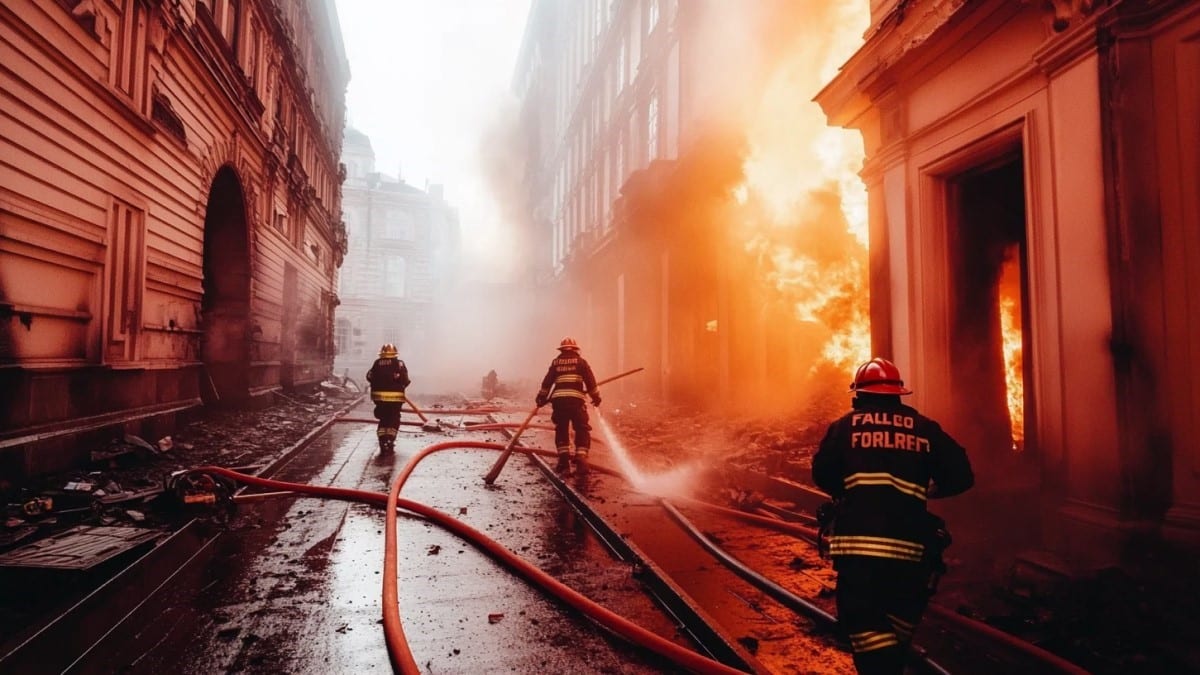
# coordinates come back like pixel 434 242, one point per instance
pixel 568 384
pixel 879 462
pixel 389 378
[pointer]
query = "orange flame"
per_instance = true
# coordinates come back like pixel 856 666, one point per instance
pixel 1011 339
pixel 802 204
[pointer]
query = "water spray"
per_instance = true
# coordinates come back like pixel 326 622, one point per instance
pixel 499 465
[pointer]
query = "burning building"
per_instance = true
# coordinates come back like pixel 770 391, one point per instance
pixel 170 217
pixel 663 191
pixel 1032 233
pixel 400 269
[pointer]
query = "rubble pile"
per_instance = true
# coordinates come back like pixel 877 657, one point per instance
pixel 125 478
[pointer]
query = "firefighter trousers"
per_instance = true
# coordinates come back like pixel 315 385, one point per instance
pixel 388 415
pixel 567 413
pixel 879 603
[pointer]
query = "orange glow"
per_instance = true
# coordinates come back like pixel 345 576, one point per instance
pixel 1012 343
pixel 802 205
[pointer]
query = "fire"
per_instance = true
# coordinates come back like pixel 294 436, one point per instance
pixel 1011 340
pixel 802 205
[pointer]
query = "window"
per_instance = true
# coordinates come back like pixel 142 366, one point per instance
pixel 227 16
pixel 127 71
pixel 652 127
pixel 399 225
pixel 619 159
pixel 126 258
pixel 394 277
pixel 622 59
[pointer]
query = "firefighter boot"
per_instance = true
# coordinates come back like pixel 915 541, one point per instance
pixel 564 465
pixel 581 465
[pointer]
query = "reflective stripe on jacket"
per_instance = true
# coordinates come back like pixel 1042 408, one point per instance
pixel 569 376
pixel 878 462
pixel 388 378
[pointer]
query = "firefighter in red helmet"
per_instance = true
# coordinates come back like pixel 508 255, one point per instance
pixel 880 462
pixel 568 384
pixel 389 378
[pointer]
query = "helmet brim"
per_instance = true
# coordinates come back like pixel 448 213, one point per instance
pixel 892 389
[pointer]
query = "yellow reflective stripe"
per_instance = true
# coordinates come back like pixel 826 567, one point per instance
pixel 902 544
pixel 871 640
pixel 904 486
pixel 568 378
pixel 388 396
pixel 877 547
pixel 567 393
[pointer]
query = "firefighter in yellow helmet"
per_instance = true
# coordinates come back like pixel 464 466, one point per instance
pixel 389 378
pixel 880 462
pixel 568 384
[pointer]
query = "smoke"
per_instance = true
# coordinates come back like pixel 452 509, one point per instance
pixel 504 158
pixel 492 318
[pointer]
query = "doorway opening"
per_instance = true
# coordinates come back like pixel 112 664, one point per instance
pixel 225 309
pixel 990 327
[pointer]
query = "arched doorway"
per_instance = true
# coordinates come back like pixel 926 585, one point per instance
pixel 225 348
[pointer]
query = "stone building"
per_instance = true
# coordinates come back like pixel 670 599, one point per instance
pixel 170 211
pixel 1031 169
pixel 400 269
pixel 631 157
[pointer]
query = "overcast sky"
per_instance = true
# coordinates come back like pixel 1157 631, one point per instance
pixel 428 78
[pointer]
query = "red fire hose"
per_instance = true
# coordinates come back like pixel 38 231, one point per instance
pixel 398 649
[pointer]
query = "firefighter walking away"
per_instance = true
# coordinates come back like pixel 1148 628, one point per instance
pixel 389 378
pixel 568 385
pixel 880 462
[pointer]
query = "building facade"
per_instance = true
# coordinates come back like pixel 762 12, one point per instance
pixel 400 269
pixel 1042 156
pixel 170 210
pixel 631 161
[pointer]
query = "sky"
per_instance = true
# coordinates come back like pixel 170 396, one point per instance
pixel 429 78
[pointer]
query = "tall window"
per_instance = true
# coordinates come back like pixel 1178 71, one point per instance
pixel 228 16
pixel 619 159
pixel 129 58
pixel 394 277
pixel 622 58
pixel 126 258
pixel 652 127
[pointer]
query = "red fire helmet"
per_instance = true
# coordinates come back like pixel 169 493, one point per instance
pixel 568 343
pixel 879 376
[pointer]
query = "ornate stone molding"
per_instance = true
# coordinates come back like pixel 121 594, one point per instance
pixel 1063 13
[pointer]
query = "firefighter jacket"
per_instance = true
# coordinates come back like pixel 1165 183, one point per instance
pixel 571 377
pixel 877 463
pixel 388 378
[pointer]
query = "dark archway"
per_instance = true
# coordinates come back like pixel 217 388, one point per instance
pixel 225 348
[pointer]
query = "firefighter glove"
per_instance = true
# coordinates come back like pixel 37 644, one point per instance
pixel 541 400
pixel 596 400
